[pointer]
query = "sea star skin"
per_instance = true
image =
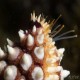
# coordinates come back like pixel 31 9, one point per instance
pixel 35 57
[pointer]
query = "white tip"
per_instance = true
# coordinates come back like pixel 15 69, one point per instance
pixel 26 61
pixel 34 29
pixel 10 73
pixel 33 17
pixel 21 34
pixel 13 52
pixel 10 42
pixel 39 52
pixel 30 40
pixel 2 54
pixel 26 31
pixel 39 18
pixel 2 65
pixel 40 38
pixel 61 50
pixel 64 74
pixel 37 73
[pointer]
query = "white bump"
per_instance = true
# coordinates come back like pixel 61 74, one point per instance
pixel 2 65
pixel 2 54
pixel 40 38
pixel 54 69
pixel 21 34
pixel 52 77
pixel 37 74
pixel 64 74
pixel 10 73
pixel 26 31
pixel 10 42
pixel 39 52
pixel 26 61
pixel 30 40
pixel 34 29
pixel 61 50
pixel 22 78
pixel 60 53
pixel 39 18
pixel 33 17
pixel 13 52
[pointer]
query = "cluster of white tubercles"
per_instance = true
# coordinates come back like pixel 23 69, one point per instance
pixel 10 73
pixel 2 54
pixel 13 52
pixel 51 61
pixel 37 73
pixel 26 61
pixel 3 64
pixel 39 52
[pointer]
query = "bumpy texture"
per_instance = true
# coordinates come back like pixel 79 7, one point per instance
pixel 35 57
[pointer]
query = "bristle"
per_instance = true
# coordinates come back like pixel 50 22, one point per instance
pixel 54 30
pixel 33 17
pixel 57 19
pixel 38 19
pixel 58 31
pixel 67 37
pixel 65 33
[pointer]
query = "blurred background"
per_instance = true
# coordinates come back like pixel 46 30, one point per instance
pixel 15 15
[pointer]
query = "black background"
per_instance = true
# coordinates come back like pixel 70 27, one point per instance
pixel 15 15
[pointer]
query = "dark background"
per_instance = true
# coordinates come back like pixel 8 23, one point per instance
pixel 15 15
